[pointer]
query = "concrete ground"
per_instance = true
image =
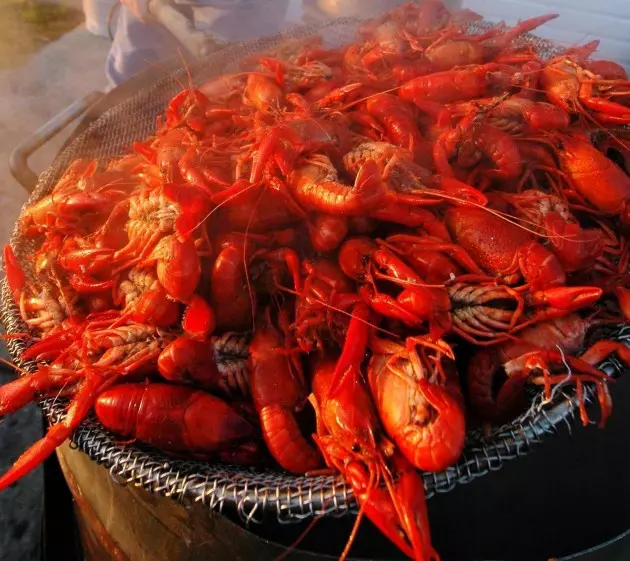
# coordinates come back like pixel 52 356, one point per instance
pixel 37 86
pixel 35 91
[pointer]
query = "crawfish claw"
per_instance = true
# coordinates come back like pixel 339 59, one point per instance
pixel 400 511
pixel 13 270
pixel 567 298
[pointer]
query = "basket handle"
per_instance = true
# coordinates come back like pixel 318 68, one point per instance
pixel 18 161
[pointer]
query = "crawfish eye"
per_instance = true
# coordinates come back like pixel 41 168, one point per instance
pixel 356 448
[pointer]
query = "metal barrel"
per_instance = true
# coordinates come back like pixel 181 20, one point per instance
pixel 125 523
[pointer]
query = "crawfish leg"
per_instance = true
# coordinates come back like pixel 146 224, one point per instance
pixel 128 358
pixel 610 110
pixel 356 342
pixel 600 350
pixel 471 326
pixel 387 306
pixel 579 371
pixel 234 380
pixel 19 393
pixel 408 497
pixel 292 262
pixel 57 434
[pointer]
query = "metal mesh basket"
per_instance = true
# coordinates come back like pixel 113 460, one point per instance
pixel 254 492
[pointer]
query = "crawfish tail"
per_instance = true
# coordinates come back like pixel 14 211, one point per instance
pixel 524 26
pixel 331 197
pixel 286 442
pixel 175 418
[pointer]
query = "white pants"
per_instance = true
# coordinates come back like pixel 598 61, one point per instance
pixel 138 45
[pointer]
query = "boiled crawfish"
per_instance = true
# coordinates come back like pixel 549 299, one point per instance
pixel 387 488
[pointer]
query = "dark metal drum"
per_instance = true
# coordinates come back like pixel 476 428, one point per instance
pixel 569 501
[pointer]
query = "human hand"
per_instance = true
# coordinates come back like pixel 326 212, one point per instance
pixel 139 8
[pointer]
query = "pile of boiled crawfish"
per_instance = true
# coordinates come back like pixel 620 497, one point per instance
pixel 282 274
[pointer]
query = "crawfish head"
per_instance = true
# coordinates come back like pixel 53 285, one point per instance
pixel 575 247
pixel 396 165
pixel 420 410
pixel 178 267
pixel 491 241
pixel 595 177
pixel 316 320
pixel 497 375
pixel 355 257
pixel 42 306
pixel 379 476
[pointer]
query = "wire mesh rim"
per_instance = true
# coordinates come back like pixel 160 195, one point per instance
pixel 254 492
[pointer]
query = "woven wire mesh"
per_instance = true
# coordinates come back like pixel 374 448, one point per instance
pixel 251 491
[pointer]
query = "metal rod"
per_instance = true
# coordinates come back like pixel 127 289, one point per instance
pixel 18 161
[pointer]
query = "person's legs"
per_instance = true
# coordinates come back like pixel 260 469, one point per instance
pixel 136 46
